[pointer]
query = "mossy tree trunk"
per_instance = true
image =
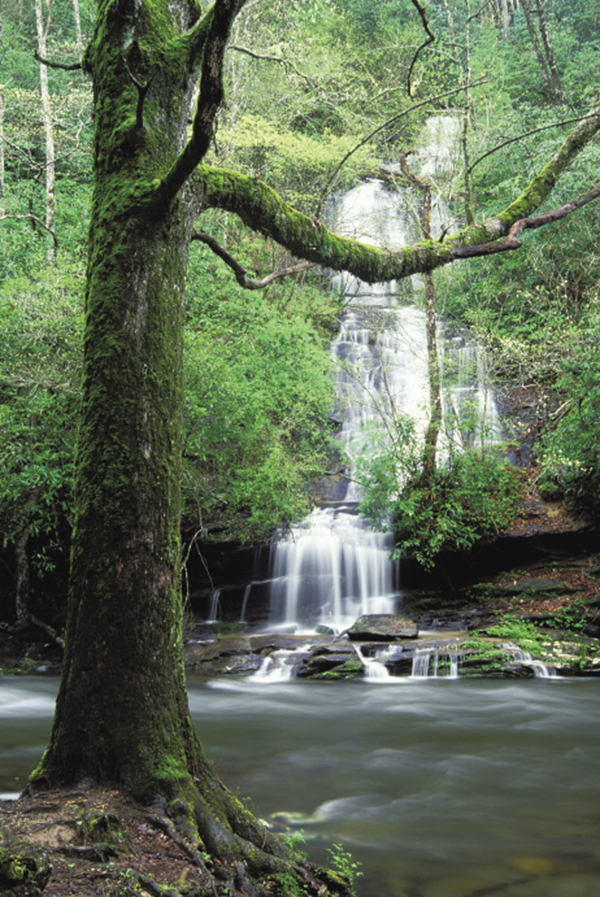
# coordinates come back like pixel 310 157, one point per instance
pixel 122 714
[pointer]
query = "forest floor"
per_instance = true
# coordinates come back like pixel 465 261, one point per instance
pixel 97 843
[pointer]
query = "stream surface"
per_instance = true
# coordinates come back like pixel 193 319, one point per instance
pixel 441 788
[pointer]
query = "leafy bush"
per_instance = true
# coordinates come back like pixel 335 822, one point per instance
pixel 570 449
pixel 469 497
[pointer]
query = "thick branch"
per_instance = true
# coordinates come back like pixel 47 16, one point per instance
pixel 241 275
pixel 513 242
pixel 263 210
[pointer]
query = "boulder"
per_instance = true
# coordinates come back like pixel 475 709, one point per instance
pixel 383 627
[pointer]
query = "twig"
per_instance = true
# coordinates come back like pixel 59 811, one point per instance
pixel 269 58
pixel 556 124
pixel 35 221
pixel 429 40
pixel 382 127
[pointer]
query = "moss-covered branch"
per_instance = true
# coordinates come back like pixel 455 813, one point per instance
pixel 262 209
pixel 210 97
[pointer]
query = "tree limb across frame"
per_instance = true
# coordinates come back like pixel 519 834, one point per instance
pixel 263 210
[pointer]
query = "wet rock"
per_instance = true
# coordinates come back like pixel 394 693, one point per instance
pixel 535 586
pixel 383 627
pixel 202 652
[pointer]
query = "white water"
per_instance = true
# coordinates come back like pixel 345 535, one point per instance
pixel 330 568
pixel 375 670
pixel 435 662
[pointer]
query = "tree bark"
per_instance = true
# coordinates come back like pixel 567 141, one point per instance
pixel 22 589
pixel 551 79
pixel 122 716
pixel 2 160
pixel 555 77
pixel 77 21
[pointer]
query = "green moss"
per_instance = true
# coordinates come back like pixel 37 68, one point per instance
pixel 350 669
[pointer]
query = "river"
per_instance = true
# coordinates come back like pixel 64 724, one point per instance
pixel 440 788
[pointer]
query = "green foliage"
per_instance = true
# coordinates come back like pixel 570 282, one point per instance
pixel 570 448
pixel 343 863
pixel 571 617
pixel 472 495
pixel 41 324
pixel 258 396
pixel 520 632
pixel 296 163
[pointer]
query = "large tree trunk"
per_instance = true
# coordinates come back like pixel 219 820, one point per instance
pixel 122 716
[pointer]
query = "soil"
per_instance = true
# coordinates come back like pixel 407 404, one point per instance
pixel 100 843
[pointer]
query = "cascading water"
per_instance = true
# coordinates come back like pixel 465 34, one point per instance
pixel 330 568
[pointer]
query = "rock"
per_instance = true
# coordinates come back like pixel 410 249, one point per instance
pixel 383 627
pixel 535 585
pixel 24 870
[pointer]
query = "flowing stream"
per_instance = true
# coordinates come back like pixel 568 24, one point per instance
pixel 446 788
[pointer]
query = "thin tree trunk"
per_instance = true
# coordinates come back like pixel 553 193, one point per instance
pixel 77 20
pixel 22 589
pixel 434 372
pixel 539 52
pixel 557 85
pixel 2 159
pixel 50 166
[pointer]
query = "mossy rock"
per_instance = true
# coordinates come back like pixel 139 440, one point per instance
pixel 24 870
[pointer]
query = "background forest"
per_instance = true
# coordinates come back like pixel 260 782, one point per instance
pixel 308 82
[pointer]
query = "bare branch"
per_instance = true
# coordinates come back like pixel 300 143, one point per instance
pixel 512 241
pixel 36 222
pixel 478 11
pixel 241 275
pixel 67 67
pixel 429 40
pixel 556 124
pixel 386 124
pixel 269 58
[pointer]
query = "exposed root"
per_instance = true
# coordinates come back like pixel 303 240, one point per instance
pixel 98 843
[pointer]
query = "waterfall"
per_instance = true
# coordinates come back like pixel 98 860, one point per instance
pixel 375 671
pixel 330 568
pixel 435 662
